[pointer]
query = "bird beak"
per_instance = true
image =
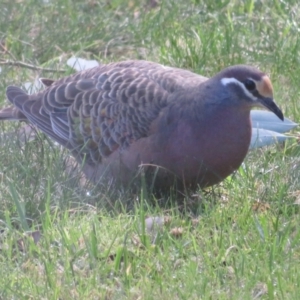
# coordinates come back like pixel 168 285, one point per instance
pixel 272 106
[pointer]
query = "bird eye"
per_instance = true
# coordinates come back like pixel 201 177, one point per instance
pixel 250 85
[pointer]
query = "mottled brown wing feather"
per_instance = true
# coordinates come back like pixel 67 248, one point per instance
pixel 97 111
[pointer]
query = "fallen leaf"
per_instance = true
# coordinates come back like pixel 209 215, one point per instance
pixel 259 290
pixel 176 231
pixel 259 206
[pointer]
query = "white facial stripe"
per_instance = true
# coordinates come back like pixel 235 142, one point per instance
pixel 226 81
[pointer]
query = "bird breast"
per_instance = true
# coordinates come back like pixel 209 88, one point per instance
pixel 197 152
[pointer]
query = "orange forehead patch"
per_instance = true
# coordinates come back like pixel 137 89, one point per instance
pixel 264 87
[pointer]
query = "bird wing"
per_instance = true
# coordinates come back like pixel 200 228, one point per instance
pixel 97 111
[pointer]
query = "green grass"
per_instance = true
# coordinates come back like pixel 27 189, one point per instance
pixel 90 245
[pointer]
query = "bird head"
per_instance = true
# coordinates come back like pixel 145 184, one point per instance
pixel 250 85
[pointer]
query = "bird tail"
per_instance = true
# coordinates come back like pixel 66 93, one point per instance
pixel 11 113
pixel 16 96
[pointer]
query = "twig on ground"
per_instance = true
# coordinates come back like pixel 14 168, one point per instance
pixel 29 66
